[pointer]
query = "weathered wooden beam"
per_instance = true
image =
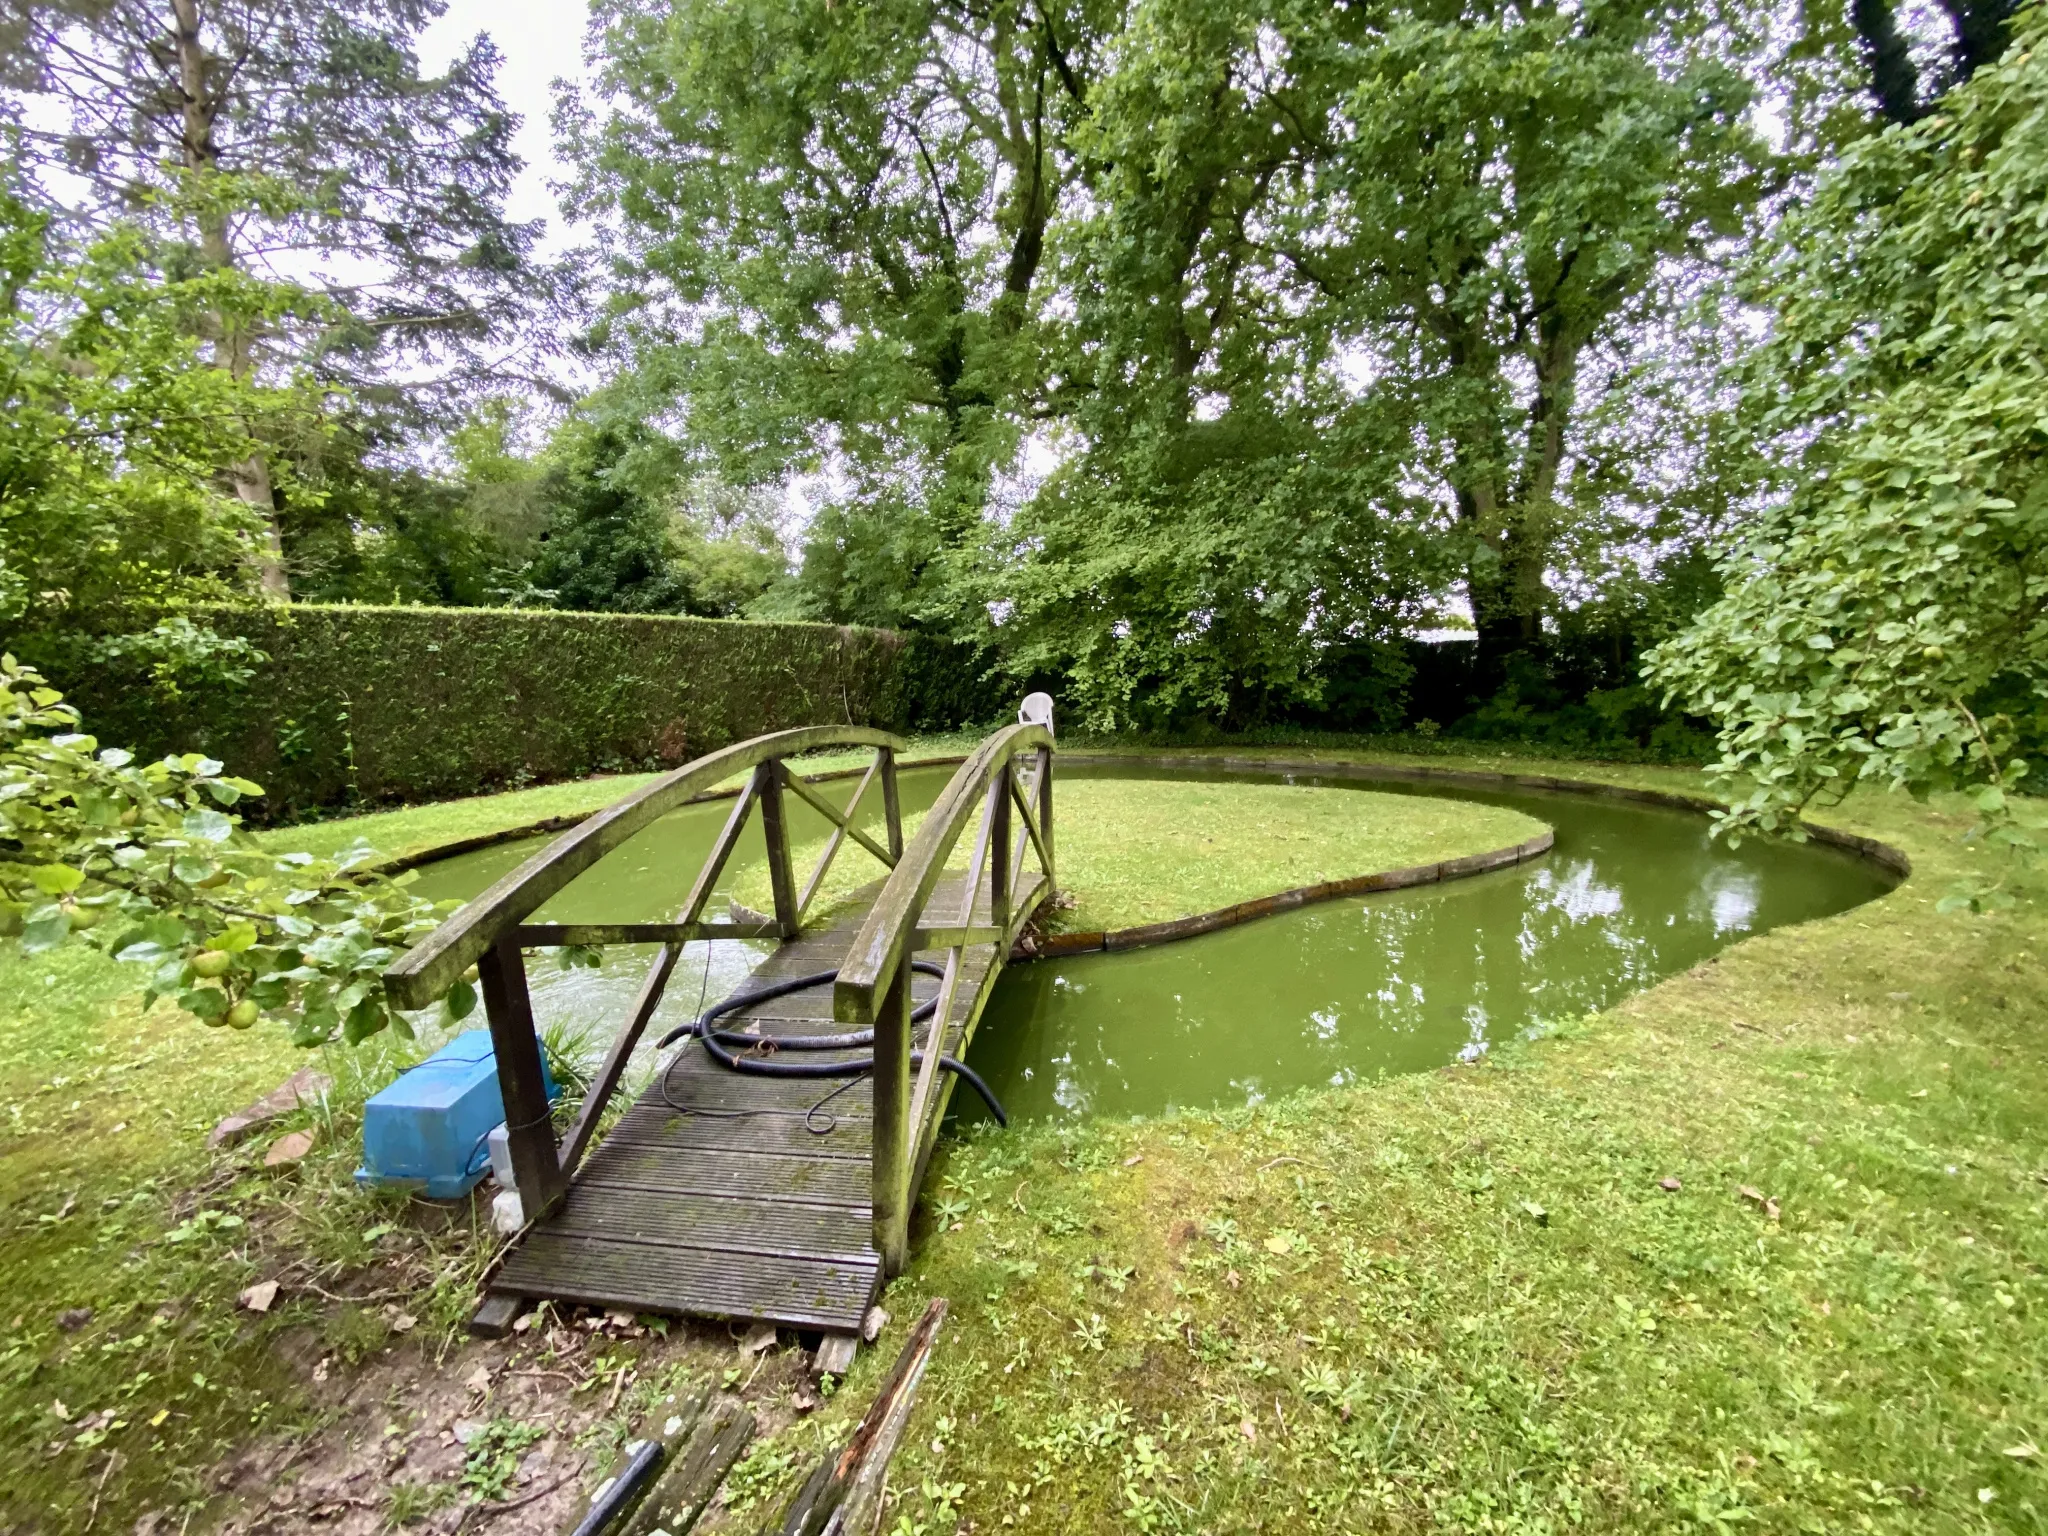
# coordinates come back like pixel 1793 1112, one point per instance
pixel 892 804
pixel 559 935
pixel 838 837
pixel 495 1315
pixel 768 781
pixel 893 1134
pixel 1030 820
pixel 602 1086
pixel 953 937
pixel 1000 793
pixel 715 861
pixel 1044 789
pixel 529 1122
pixel 879 943
pixel 844 822
pixel 429 968
pixel 695 1471
pixel 844 1496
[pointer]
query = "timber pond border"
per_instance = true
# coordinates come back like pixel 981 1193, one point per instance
pixel 1056 946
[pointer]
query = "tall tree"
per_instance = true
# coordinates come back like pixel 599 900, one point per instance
pixel 832 224
pixel 301 138
pixel 1376 251
pixel 116 428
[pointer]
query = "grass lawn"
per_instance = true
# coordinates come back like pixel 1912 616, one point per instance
pixel 1457 1301
pixel 1137 851
pixel 1131 852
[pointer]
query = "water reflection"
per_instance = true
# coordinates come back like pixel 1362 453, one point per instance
pixel 1403 981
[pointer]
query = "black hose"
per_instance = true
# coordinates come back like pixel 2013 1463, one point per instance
pixel 719 1043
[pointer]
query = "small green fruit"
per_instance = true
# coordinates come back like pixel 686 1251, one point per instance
pixel 211 963
pixel 83 918
pixel 243 1014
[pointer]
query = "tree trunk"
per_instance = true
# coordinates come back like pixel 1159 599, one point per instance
pixel 233 345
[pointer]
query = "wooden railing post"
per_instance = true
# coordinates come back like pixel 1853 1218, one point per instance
pixel 775 827
pixel 998 851
pixel 536 1167
pixel 1045 811
pixel 893 1132
pixel 892 803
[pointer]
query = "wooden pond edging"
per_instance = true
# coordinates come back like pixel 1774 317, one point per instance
pixel 1057 945
pixel 1882 854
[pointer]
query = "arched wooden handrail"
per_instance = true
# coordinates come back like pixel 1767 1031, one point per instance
pixel 427 970
pixel 874 980
pixel 491 930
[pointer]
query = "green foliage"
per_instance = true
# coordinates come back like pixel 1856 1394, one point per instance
pixel 117 428
pixel 1870 617
pixel 147 863
pixel 375 704
pixel 1302 300
pixel 383 184
pixel 493 1457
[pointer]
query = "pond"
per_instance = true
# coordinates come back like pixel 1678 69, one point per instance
pixel 1348 990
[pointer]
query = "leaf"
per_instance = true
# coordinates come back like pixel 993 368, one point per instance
pixel 46 928
pixel 461 1001
pixel 204 1002
pixel 1536 1213
pixel 208 826
pixel 56 879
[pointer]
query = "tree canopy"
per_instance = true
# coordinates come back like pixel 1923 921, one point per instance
pixel 1885 622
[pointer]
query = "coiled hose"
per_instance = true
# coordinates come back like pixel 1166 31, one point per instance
pixel 720 1044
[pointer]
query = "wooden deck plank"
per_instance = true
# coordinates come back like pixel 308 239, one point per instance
pixel 779 1131
pixel 731 1223
pixel 729 1173
pixel 649 1277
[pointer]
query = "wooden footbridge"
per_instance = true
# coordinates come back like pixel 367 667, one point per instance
pixel 722 1193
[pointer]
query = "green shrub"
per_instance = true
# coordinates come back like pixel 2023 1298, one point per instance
pixel 360 704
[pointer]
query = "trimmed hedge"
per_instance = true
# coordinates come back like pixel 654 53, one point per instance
pixel 363 704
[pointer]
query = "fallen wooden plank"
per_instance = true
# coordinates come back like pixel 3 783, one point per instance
pixel 495 1314
pixel 694 1472
pixel 845 1494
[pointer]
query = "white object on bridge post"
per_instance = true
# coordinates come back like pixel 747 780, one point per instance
pixel 1036 710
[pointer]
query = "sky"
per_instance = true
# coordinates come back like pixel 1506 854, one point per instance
pixel 540 42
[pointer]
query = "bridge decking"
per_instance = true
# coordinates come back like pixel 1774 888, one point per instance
pixel 738 1209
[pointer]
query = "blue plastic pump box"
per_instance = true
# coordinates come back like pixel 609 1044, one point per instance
pixel 430 1130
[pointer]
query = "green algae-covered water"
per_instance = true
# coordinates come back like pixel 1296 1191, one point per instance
pixel 1347 990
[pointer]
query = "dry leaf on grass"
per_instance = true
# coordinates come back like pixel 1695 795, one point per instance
pixel 259 1297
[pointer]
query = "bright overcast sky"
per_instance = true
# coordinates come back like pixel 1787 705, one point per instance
pixel 541 42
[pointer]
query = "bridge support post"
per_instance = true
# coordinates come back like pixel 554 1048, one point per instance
pixel 999 872
pixel 892 802
pixel 775 827
pixel 536 1167
pixel 893 1132
pixel 1045 811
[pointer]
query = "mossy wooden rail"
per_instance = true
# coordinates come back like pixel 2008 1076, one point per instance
pixel 743 1198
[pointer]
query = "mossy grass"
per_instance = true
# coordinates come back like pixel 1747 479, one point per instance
pixel 1146 850
pixel 1130 852
pixel 412 830
pixel 1460 1300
